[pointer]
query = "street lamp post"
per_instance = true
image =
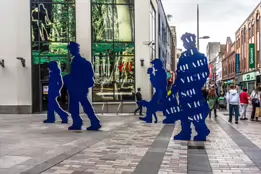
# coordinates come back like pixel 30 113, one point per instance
pixel 204 37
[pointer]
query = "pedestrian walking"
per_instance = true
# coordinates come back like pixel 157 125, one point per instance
pixel 258 109
pixel 213 102
pixel 233 100
pixel 244 97
pixel 138 99
pixel 255 102
pixel 205 93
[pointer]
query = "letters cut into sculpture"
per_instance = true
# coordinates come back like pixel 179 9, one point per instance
pixel 190 107
pixel 192 74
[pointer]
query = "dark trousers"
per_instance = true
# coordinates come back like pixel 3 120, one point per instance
pixel 253 114
pixel 139 109
pixel 215 112
pixel 233 109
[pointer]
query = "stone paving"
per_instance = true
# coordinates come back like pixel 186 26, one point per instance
pixel 125 144
pixel 119 154
pixel 224 154
pixel 175 159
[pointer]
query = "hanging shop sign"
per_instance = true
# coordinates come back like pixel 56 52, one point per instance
pixel 252 62
pixel 249 77
pixel 237 63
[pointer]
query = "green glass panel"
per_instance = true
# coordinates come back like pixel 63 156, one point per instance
pixel 103 1
pixel 124 48
pixel 116 48
pixel 54 1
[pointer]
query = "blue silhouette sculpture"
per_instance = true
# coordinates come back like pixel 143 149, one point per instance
pixel 78 84
pixel 192 74
pixel 54 91
pixel 158 78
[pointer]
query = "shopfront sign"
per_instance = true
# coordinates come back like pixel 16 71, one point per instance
pixel 252 62
pixel 237 63
pixel 249 77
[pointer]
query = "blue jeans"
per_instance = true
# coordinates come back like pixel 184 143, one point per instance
pixel 233 109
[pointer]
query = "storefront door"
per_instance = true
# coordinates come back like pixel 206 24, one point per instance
pixel 251 86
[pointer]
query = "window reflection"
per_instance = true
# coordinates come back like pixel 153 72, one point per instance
pixel 113 50
pixel 53 27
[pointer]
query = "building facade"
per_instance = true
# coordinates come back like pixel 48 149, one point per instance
pixel 228 64
pixel 218 67
pixel 120 38
pixel 248 51
pixel 212 49
pixel 174 48
pixel 165 36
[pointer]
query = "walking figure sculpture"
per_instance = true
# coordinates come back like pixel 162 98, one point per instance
pixel 158 78
pixel 192 74
pixel 54 91
pixel 78 84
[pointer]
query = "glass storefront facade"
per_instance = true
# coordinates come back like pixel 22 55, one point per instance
pixel 53 26
pixel 113 50
pixel 153 31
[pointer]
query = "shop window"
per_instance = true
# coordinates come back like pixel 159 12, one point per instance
pixel 113 50
pixel 53 27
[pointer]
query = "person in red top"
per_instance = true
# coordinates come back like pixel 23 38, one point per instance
pixel 244 97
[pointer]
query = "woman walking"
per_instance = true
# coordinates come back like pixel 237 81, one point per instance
pixel 255 102
pixel 244 97
pixel 213 102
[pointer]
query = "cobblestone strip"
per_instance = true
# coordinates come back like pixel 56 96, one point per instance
pixel 224 154
pixel 117 155
pixel 249 129
pixel 175 159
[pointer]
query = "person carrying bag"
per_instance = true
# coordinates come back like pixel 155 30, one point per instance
pixel 255 102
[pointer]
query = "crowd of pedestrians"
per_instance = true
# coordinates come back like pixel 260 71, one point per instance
pixel 237 100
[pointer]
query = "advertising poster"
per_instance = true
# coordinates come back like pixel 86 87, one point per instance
pixel 45 90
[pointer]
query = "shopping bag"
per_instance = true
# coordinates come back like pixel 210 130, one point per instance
pixel 258 112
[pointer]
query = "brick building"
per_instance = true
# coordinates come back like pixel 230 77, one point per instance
pixel 247 49
pixel 228 64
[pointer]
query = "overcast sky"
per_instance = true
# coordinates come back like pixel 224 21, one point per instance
pixel 218 18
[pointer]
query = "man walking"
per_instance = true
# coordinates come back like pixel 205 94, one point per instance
pixel 233 100
pixel 244 97
pixel 138 99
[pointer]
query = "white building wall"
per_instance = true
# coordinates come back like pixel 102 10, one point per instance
pixel 15 80
pixel 142 51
